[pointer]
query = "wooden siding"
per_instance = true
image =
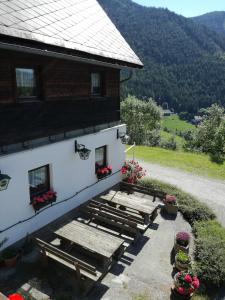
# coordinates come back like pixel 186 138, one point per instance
pixel 65 103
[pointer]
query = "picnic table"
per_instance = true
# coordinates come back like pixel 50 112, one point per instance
pixel 91 239
pixel 135 204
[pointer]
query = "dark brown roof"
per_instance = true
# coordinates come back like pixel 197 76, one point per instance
pixel 80 25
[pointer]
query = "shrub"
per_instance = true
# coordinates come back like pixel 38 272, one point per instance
pixel 190 207
pixel 210 252
pixel 132 171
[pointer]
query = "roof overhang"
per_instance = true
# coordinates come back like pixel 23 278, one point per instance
pixel 20 45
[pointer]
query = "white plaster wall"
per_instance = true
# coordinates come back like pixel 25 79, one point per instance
pixel 68 174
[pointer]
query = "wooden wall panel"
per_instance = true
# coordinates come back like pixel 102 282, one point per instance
pixel 59 79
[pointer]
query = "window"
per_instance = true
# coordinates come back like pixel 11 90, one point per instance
pixel 39 181
pixel 96 84
pixel 100 157
pixel 26 83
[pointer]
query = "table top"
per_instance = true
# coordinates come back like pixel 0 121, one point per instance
pixel 131 203
pixel 90 238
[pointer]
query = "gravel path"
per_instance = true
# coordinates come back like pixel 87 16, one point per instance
pixel 207 190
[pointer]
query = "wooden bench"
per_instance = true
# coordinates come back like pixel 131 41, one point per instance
pixel 106 205
pixel 124 225
pixel 144 190
pixel 80 267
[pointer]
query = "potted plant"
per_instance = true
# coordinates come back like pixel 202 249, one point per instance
pixel 185 284
pixel 132 172
pixel 170 204
pixel 182 242
pixel 182 261
pixel 10 256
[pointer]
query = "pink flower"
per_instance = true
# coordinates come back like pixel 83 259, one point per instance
pixel 196 283
pixel 188 278
pixel 181 290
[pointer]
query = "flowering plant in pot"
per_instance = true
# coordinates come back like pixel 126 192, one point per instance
pixel 102 172
pixel 16 297
pixel 182 261
pixel 132 172
pixel 185 284
pixel 40 201
pixel 10 256
pixel 182 242
pixel 171 206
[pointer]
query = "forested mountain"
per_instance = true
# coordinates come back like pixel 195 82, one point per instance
pixel 184 61
pixel 214 20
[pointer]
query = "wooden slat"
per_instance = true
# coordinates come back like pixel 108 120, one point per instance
pixel 130 204
pixel 122 228
pixel 144 190
pixel 111 216
pixel 132 217
pixel 65 256
pixel 90 238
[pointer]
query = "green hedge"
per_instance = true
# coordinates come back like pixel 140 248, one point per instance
pixel 190 207
pixel 209 234
pixel 210 252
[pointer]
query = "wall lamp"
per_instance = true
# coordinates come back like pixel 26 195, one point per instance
pixel 84 153
pixel 4 181
pixel 123 136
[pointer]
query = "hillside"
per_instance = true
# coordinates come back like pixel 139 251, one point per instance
pixel 214 20
pixel 184 61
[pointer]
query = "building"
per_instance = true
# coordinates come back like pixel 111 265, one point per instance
pixel 60 63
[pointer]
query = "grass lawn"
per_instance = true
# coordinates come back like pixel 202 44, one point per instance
pixel 174 123
pixel 165 136
pixel 199 164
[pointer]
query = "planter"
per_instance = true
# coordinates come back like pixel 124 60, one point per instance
pixel 185 284
pixel 101 176
pixel 10 257
pixel 171 209
pixel 182 242
pixel 180 265
pixel 11 262
pixel 39 205
pixel 178 247
pixel 181 297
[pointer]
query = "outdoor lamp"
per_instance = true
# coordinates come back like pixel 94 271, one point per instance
pixel 84 153
pixel 4 181
pixel 123 136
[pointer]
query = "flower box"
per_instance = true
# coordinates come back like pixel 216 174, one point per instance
pixel 43 200
pixel 103 172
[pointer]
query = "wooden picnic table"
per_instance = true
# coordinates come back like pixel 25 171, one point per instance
pixel 145 210
pixel 91 239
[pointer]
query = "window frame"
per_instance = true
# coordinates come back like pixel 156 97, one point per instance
pixel 104 158
pixel 101 93
pixel 47 181
pixel 37 77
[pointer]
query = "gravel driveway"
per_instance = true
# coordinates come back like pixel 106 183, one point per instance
pixel 207 190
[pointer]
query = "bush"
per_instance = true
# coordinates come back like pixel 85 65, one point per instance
pixel 190 207
pixel 170 144
pixel 210 252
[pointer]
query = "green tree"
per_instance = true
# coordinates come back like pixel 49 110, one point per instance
pixel 142 119
pixel 210 134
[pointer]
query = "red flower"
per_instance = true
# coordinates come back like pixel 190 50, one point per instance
pixel 16 297
pixel 181 290
pixel 110 168
pixel 188 278
pixel 196 283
